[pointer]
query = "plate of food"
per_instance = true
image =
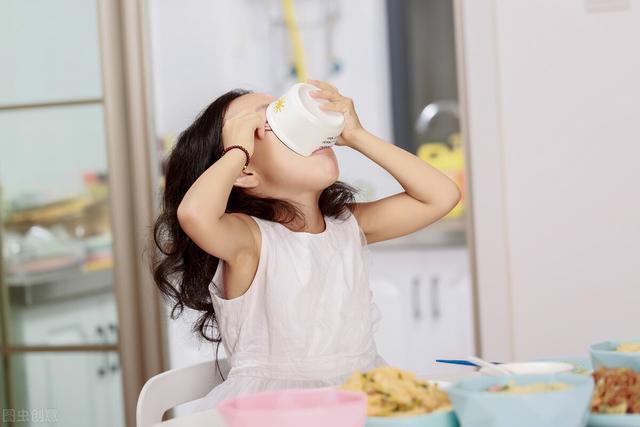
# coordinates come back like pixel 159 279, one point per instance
pixel 397 398
pixel 616 398
pixel 581 365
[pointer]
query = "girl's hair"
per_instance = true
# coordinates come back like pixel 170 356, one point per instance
pixel 181 269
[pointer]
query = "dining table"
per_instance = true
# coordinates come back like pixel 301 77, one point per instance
pixel 212 418
pixel 208 418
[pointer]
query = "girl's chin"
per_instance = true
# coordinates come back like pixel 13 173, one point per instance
pixel 322 152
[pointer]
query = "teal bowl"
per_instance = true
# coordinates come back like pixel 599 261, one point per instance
pixel 434 419
pixel 609 420
pixel 604 355
pixel 477 407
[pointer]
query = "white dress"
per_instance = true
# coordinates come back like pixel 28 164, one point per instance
pixel 307 320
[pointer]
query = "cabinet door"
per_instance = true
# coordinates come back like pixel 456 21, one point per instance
pixel 425 302
pixel 392 332
pixel 92 380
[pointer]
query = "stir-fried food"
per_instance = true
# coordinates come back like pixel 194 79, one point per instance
pixel 617 391
pixel 394 392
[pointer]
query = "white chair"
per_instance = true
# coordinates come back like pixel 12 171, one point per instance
pixel 177 386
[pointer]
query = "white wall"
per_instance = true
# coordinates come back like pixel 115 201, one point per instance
pixel 552 93
pixel 202 48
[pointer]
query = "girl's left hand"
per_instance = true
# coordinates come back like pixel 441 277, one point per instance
pixel 341 104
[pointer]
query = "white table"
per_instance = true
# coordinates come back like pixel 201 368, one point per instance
pixel 209 418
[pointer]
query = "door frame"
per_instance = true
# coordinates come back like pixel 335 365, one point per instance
pixel 479 91
pixel 133 184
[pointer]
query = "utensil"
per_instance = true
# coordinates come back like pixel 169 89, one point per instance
pixel 461 362
pixel 488 365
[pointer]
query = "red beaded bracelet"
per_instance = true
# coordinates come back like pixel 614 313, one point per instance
pixel 246 153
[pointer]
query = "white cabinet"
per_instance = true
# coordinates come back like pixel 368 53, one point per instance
pixel 92 381
pixel 425 300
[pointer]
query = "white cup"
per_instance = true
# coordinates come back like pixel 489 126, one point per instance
pixel 297 120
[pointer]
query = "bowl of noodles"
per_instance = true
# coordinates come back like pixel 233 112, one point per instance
pixel 397 398
pixel 616 354
pixel 523 400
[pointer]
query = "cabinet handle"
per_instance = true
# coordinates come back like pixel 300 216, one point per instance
pixel 113 329
pixel 415 298
pixel 102 335
pixel 115 365
pixel 435 297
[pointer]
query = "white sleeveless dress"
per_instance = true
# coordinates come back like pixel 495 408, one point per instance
pixel 307 320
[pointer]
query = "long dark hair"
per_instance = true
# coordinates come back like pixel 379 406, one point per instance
pixel 181 270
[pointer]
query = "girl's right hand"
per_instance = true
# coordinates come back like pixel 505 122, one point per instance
pixel 241 130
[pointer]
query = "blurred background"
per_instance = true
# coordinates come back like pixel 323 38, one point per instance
pixel 530 106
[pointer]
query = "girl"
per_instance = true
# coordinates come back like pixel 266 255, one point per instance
pixel 272 249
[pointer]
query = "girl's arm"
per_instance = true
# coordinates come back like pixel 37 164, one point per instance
pixel 428 195
pixel 201 212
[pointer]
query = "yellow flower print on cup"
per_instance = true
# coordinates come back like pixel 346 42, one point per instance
pixel 279 105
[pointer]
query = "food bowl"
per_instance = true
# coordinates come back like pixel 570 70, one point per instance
pixel 605 355
pixel 530 368
pixel 297 120
pixel 435 419
pixel 476 406
pixel 294 408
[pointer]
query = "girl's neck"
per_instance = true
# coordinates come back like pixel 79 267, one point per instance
pixel 313 220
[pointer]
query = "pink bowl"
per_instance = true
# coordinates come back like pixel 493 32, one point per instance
pixel 296 408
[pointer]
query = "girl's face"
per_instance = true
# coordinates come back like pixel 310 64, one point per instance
pixel 280 171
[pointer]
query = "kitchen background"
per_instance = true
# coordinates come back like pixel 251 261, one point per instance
pixel 538 128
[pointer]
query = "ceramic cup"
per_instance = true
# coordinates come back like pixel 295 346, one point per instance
pixel 297 120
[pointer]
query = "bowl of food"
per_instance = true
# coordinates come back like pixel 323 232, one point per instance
pixel 397 398
pixel 616 398
pixel 523 400
pixel 616 354
pixel 530 368
pixel 294 408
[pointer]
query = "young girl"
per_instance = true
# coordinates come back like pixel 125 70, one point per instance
pixel 272 249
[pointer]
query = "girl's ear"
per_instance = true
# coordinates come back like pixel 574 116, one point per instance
pixel 247 179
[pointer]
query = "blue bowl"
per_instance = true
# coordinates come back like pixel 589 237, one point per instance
pixel 604 355
pixel 434 419
pixel 477 407
pixel 610 420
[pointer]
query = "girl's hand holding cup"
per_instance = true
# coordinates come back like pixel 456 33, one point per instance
pixel 241 130
pixel 339 103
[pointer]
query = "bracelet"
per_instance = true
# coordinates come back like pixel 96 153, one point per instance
pixel 246 153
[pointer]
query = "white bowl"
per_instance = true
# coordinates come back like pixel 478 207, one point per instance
pixel 297 120
pixel 530 368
